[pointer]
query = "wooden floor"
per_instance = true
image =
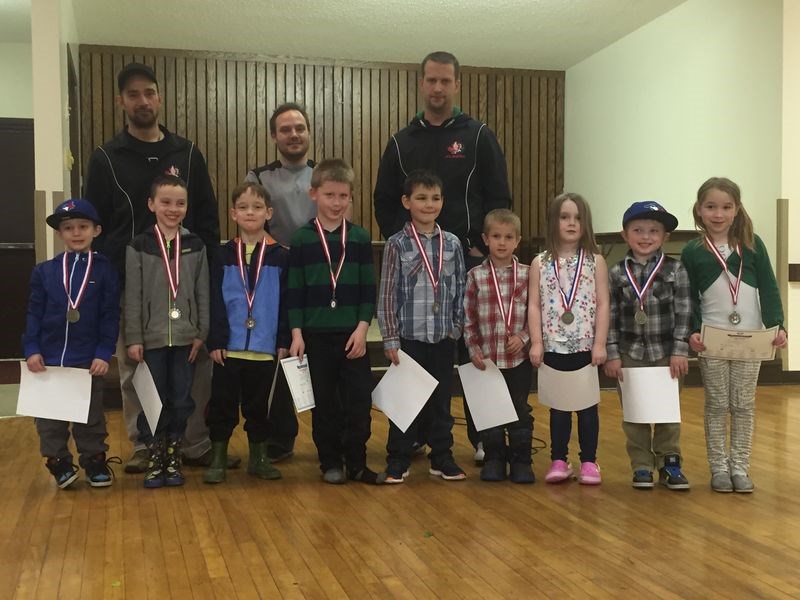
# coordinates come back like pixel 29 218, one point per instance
pixel 300 538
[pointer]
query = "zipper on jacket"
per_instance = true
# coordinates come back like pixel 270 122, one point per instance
pixel 69 291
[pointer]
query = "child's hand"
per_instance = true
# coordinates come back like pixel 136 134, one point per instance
pixel 678 366
pixel 613 368
pixel 598 354
pixel 695 344
pixel 219 355
pixel 781 339
pixel 477 360
pixel 35 363
pixel 356 345
pixel 283 353
pixel 536 353
pixel 136 352
pixel 298 346
pixel 392 356
pixel 99 367
pixel 196 345
pixel 514 344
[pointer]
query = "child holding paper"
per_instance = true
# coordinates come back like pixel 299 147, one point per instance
pixel 331 302
pixel 649 326
pixel 733 287
pixel 568 323
pixel 73 321
pixel 421 311
pixel 166 320
pixel 249 332
pixel 496 328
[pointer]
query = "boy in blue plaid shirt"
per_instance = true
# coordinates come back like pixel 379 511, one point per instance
pixel 649 326
pixel 421 311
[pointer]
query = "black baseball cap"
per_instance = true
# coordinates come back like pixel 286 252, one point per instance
pixel 132 69
pixel 650 210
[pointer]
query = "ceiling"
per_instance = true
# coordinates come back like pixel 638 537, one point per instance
pixel 543 34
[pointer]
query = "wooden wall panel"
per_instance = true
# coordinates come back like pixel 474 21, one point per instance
pixel 223 102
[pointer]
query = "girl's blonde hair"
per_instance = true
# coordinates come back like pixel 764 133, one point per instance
pixel 587 241
pixel 742 229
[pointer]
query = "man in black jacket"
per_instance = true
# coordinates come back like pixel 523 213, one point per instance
pixel 118 183
pixel 463 152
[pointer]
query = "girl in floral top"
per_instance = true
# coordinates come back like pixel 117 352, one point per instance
pixel 568 308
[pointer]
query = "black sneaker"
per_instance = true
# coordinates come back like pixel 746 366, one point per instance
pixel 493 469
pixel 395 474
pixel 670 474
pixel 277 453
pixel 98 471
pixel 643 479
pixel 448 470
pixel 64 472
pixel 367 475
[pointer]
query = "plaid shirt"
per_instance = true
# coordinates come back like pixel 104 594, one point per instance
pixel 667 304
pixel 484 328
pixel 406 297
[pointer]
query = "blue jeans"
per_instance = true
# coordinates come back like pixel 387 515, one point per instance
pixel 172 373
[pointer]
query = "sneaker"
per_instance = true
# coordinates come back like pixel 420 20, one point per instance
pixel 204 460
pixel 590 474
pixel 334 476
pixel 721 482
pixel 493 470
pixel 448 471
pixel 742 483
pixel 367 475
pixel 98 471
pixel 63 471
pixel 394 475
pixel 480 455
pixel 278 453
pixel 670 474
pixel 138 461
pixel 643 479
pixel 559 470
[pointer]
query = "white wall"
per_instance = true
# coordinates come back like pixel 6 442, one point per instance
pixel 694 94
pixel 16 100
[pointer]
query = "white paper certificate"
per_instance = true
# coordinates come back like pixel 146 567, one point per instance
pixel 650 395
pixel 569 390
pixel 148 395
pixel 403 391
pixel 487 395
pixel 298 376
pixel 738 345
pixel 60 393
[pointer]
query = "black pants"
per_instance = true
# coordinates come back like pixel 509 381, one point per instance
pixel 436 359
pixel 561 421
pixel 281 421
pixel 245 383
pixel 518 380
pixel 341 420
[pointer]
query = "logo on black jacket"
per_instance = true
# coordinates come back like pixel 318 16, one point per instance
pixel 455 150
pixel 173 170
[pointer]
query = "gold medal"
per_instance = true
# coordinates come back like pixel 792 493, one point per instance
pixel 174 313
pixel 567 318
pixel 735 318
pixel 250 323
pixel 73 316
pixel 640 317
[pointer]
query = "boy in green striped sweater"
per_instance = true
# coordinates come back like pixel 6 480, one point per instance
pixel 331 303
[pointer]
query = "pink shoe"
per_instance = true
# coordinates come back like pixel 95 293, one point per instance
pixel 590 474
pixel 559 471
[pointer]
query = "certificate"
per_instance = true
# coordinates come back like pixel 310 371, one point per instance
pixel 487 395
pixel 298 376
pixel 148 395
pixel 59 393
pixel 403 391
pixel 650 395
pixel 730 344
pixel 569 390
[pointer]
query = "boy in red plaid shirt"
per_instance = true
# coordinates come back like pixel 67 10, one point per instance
pixel 496 328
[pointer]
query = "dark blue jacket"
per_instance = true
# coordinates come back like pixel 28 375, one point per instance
pixel 47 331
pixel 229 304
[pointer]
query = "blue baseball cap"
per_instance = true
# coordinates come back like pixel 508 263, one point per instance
pixel 75 208
pixel 650 210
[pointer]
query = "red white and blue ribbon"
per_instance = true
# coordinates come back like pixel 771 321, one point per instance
pixel 326 250
pixel 243 272
pixel 641 292
pixel 173 279
pixel 425 261
pixel 733 286
pixel 568 300
pixel 74 305
pixel 506 316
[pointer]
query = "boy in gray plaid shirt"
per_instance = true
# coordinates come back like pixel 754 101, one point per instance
pixel 649 326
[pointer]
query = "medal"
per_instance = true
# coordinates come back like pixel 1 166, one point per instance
pixel 568 300
pixel 250 322
pixel 506 315
pixel 173 279
pixel 427 264
pixel 733 286
pixel 327 251
pixel 640 317
pixel 73 316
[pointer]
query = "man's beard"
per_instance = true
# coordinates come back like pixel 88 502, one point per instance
pixel 294 155
pixel 143 118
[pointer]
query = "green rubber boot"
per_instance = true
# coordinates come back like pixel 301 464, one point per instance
pixel 259 464
pixel 219 462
